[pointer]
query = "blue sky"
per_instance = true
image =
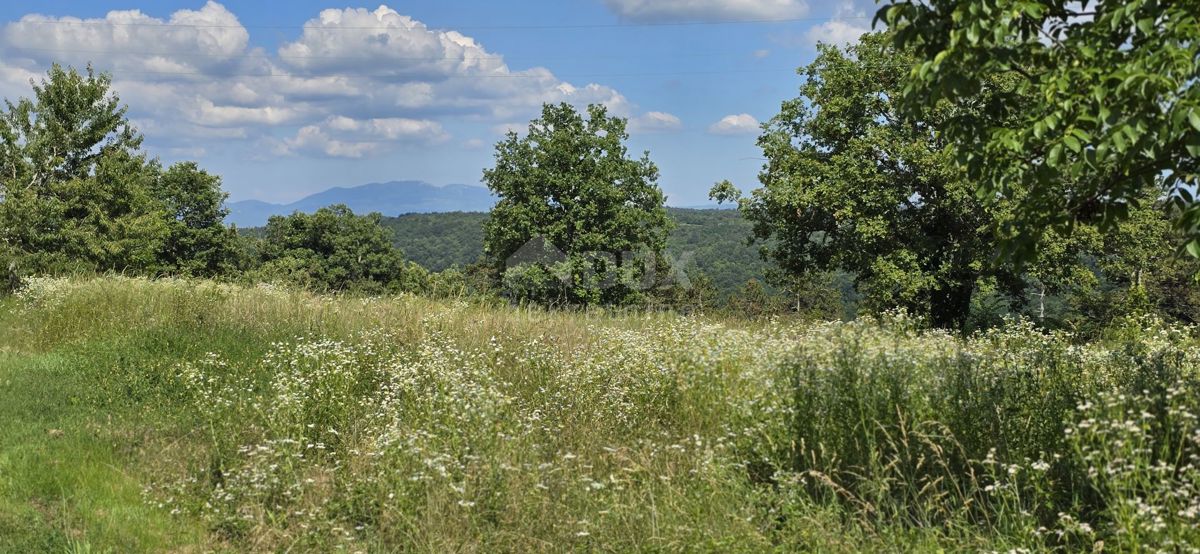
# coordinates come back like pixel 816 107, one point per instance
pixel 283 99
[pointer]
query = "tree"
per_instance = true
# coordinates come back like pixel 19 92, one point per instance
pixel 751 300
pixel 1116 104
pixel 570 182
pixel 1138 258
pixel 74 187
pixel 197 242
pixel 810 294
pixel 332 250
pixel 1061 268
pixel 853 184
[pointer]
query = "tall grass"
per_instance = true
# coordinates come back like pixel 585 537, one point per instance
pixel 275 420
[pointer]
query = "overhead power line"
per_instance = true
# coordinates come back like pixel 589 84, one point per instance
pixel 455 77
pixel 274 55
pixel 572 26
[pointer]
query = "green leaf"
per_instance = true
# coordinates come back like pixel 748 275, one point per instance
pixel 1055 155
pixel 1119 142
pixel 1193 248
pixel 1194 118
pixel 1146 26
pixel 1072 143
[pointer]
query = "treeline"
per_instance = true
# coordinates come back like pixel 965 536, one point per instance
pixel 861 209
pixel 79 195
pixel 711 243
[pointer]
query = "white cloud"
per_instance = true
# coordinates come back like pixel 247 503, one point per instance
pixel 655 122
pixel 205 112
pixel 385 44
pixel 312 139
pixel 344 137
pixel 390 128
pixel 195 76
pixel 836 32
pixel 739 124
pixel 850 25
pixel 204 40
pixel 762 53
pixel 655 11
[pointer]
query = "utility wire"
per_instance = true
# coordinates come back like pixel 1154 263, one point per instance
pixel 457 77
pixel 268 55
pixel 169 25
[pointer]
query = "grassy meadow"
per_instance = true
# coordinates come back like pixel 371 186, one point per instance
pixel 189 416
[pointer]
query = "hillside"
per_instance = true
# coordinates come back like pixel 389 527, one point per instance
pixel 173 415
pixel 390 198
pixel 713 241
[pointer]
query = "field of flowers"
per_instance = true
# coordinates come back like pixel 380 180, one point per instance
pixel 140 415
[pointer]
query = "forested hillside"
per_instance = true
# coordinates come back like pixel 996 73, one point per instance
pixel 712 241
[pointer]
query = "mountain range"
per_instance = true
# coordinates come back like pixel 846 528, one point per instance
pixel 391 198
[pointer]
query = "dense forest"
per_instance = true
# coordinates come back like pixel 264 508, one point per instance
pixel 715 242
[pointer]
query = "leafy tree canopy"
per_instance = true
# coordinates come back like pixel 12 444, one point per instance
pixel 77 193
pixel 75 187
pixel 570 181
pixel 197 241
pixel 332 249
pixel 852 183
pixel 1115 106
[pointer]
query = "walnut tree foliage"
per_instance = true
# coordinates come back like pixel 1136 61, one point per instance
pixel 853 184
pixel 1115 104
pixel 569 186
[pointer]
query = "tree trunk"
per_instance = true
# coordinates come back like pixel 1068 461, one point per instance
pixel 1042 305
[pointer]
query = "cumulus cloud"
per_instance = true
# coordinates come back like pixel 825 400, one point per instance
pixel 313 139
pixel 655 122
pixel 349 83
pixel 390 128
pixel 659 11
pixel 850 25
pixel 739 124
pixel 389 45
pixel 344 137
pixel 205 40
pixel 836 32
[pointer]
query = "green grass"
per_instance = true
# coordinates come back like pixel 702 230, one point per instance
pixel 66 477
pixel 189 416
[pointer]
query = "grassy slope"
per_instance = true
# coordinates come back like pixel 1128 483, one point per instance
pixel 266 420
pixel 89 420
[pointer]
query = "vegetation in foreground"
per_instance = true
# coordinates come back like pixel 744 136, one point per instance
pixel 145 415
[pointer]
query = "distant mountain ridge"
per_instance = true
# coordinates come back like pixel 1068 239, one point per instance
pixel 392 198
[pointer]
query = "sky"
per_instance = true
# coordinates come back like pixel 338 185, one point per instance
pixel 284 99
